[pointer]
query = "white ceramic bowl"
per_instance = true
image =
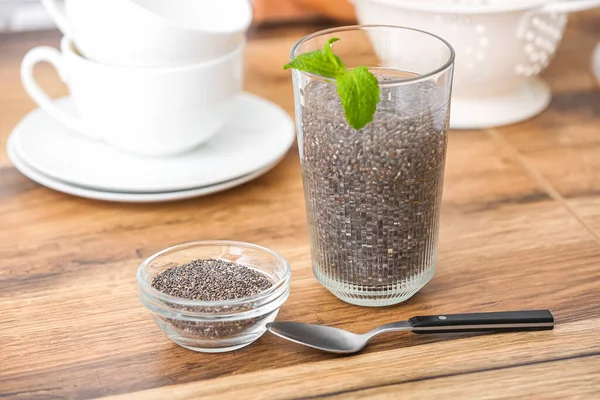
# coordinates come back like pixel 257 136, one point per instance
pixel 152 33
pixel 501 46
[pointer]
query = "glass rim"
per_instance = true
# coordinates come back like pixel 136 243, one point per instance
pixel 392 82
pixel 265 294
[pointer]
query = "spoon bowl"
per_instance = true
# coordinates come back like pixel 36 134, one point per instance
pixel 320 337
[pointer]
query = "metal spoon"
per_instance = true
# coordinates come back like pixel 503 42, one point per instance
pixel 336 340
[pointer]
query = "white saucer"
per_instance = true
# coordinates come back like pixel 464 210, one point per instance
pixel 478 113
pixel 258 134
pixel 64 187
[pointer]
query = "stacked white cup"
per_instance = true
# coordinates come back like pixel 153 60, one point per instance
pixel 151 77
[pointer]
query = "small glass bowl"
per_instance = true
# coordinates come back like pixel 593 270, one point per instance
pixel 215 326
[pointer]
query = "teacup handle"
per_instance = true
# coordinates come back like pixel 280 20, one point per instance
pixel 57 13
pixel 33 89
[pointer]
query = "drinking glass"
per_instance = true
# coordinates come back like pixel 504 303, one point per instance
pixel 373 195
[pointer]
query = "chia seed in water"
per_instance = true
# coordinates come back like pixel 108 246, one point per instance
pixel 211 280
pixel 373 195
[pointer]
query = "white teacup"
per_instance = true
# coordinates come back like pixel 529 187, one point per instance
pixel 149 111
pixel 152 33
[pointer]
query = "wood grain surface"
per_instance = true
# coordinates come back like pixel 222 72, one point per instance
pixel 520 229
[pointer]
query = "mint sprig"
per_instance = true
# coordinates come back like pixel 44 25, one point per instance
pixel 357 87
pixel 321 62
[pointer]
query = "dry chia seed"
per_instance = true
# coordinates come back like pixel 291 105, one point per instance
pixel 211 280
pixel 373 195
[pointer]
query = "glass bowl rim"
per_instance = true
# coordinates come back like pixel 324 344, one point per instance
pixel 388 83
pixel 265 294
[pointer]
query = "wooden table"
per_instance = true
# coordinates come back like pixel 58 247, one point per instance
pixel 520 229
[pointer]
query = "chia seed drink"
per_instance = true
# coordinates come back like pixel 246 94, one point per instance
pixel 373 195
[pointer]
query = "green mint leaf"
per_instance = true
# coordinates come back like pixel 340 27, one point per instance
pixel 358 88
pixel 359 94
pixel 321 62
pixel 332 57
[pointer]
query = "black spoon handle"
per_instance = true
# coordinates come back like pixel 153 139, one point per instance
pixel 534 320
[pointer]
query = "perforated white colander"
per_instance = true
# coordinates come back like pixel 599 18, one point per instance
pixel 501 45
pixel 490 6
